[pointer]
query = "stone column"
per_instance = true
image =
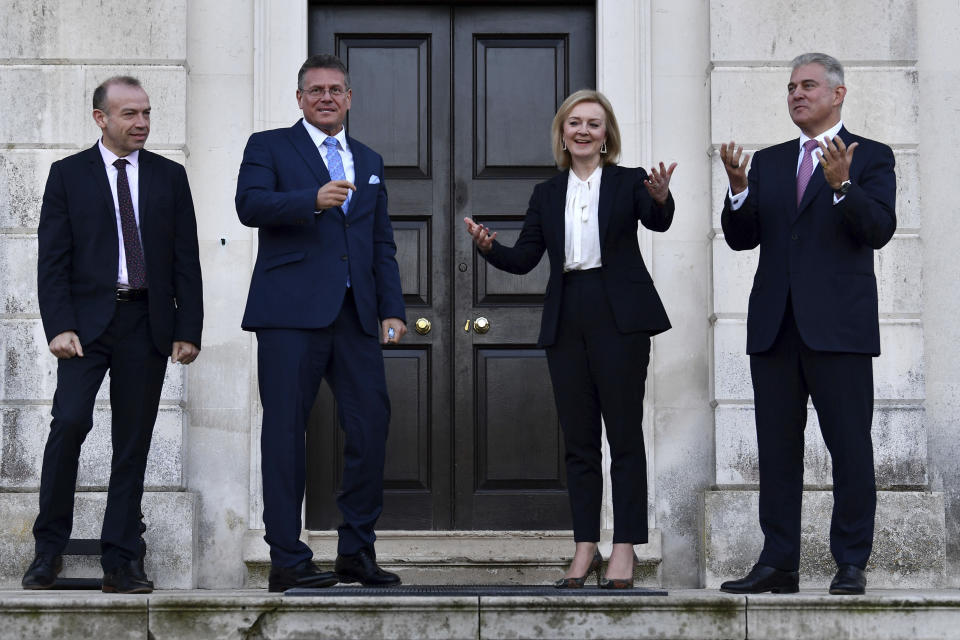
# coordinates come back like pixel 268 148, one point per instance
pixel 220 54
pixel 54 53
pixel 751 47
pixel 938 32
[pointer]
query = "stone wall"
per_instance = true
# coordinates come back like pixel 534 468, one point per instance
pixel 751 46
pixel 52 55
pixel 713 70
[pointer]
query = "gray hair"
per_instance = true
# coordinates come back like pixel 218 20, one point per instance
pixel 832 66
pixel 323 61
pixel 100 93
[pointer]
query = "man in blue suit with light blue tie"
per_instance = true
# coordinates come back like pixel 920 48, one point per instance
pixel 325 292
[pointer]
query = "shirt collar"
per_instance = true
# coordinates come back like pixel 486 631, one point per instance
pixel 829 133
pixel 109 157
pixel 319 136
pixel 593 179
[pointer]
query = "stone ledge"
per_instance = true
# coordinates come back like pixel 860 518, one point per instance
pixel 894 615
pixel 684 614
pixel 909 550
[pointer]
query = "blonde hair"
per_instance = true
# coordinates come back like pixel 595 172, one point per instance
pixel 561 155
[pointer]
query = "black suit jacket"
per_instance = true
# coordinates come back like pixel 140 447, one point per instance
pixel 819 253
pixel 79 250
pixel 624 201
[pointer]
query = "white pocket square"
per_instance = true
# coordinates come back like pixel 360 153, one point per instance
pixel 374 179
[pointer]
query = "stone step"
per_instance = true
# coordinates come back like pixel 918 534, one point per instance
pixel 681 615
pixel 461 557
pixel 171 536
pixel 909 550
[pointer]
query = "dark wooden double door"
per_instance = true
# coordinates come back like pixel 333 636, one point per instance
pixel 459 102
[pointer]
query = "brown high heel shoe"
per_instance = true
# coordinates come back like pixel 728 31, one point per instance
pixel 622 583
pixel 577 583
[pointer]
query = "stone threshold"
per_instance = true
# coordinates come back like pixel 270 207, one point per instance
pixel 461 557
pixel 681 615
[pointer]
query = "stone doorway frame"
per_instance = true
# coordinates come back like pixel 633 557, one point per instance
pixel 624 74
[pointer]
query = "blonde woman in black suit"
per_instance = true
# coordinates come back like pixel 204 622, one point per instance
pixel 599 313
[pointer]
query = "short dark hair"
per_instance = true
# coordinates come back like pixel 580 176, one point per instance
pixel 100 93
pixel 323 61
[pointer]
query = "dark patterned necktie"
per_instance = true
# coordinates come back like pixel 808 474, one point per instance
pixel 806 168
pixel 136 268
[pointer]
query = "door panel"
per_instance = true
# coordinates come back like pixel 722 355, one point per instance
pixel 459 102
pixel 399 71
pixel 512 69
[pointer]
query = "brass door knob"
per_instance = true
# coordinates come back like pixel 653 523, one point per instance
pixel 422 326
pixel 481 325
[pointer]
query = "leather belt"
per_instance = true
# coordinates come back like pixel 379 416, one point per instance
pixel 131 295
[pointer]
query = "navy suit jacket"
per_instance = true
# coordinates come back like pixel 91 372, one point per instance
pixel 624 201
pixel 299 279
pixel 79 249
pixel 819 253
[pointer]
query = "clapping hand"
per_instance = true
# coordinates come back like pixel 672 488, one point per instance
pixel 658 183
pixel 735 164
pixel 835 159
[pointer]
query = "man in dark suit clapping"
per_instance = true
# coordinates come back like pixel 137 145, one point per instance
pixel 119 288
pixel 818 207
pixel 325 291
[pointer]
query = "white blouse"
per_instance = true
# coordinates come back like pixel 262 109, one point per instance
pixel 581 224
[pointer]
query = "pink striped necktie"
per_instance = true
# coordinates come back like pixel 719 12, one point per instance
pixel 806 168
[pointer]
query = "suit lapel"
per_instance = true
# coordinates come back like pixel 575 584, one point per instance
pixel 555 215
pixel 362 171
pixel 98 174
pixel 145 181
pixel 609 181
pixel 303 143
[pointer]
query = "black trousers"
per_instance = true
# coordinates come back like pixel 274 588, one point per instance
pixel 136 368
pixel 598 371
pixel 841 386
pixel 291 365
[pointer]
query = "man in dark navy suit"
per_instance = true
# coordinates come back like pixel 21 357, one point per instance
pixel 325 291
pixel 818 207
pixel 119 288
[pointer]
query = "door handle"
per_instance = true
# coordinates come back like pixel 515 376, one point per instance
pixel 481 325
pixel 422 326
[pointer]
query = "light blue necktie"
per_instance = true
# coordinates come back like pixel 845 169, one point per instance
pixel 335 166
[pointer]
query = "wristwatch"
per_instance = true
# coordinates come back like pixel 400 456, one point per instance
pixel 844 187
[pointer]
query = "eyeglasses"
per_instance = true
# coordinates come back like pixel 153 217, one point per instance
pixel 317 92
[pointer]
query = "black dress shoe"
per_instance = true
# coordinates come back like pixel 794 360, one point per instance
pixel 127 578
pixel 42 572
pixel 305 575
pixel 362 567
pixel 849 581
pixel 763 578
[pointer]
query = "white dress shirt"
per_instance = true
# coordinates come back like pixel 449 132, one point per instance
pixel 133 178
pixel 346 156
pixel 737 200
pixel 581 222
